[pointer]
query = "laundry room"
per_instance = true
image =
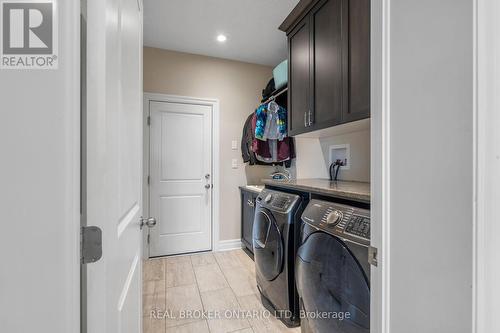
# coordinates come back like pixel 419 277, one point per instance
pixel 257 133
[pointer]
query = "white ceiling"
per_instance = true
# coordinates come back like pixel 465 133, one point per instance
pixel 192 26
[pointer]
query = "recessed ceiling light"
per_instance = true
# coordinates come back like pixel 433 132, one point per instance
pixel 221 38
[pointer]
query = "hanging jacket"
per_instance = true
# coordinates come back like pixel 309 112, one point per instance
pixel 247 140
pixel 282 123
pixel 286 149
pixel 260 147
pixel 273 151
pixel 261 119
pixel 271 122
pixel 275 122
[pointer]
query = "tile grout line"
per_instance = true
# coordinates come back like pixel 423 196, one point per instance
pixel 199 292
pixel 240 264
pixel 197 286
pixel 199 295
pixel 223 275
pixel 235 296
pixel 256 295
pixel 165 281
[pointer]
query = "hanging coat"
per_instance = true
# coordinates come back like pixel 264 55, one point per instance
pixel 247 140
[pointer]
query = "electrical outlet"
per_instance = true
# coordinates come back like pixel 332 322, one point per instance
pixel 342 154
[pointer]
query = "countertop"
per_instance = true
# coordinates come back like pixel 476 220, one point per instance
pixel 356 191
pixel 253 188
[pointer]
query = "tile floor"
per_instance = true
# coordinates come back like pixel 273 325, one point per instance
pixel 209 283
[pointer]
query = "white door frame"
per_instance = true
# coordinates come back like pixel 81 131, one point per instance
pixel 380 163
pixel 214 104
pixel 486 231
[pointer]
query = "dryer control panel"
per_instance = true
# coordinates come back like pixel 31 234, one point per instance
pixel 340 220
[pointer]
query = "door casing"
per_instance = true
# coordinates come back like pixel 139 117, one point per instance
pixel 485 48
pixel 486 267
pixel 214 104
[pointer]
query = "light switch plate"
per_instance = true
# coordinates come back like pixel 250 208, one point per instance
pixel 234 163
pixel 234 144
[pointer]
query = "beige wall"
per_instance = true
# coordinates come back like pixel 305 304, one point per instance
pixel 237 86
pixel 313 156
pixel 309 162
pixel 360 154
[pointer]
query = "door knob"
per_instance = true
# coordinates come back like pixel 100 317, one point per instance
pixel 207 186
pixel 150 222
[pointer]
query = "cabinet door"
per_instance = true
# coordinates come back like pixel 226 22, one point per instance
pixel 359 61
pixel 248 212
pixel 299 78
pixel 328 62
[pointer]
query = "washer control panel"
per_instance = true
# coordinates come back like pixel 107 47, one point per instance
pixel 268 198
pixel 339 219
pixel 334 217
pixel 359 226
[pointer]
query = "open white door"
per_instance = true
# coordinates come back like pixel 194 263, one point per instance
pixel 114 163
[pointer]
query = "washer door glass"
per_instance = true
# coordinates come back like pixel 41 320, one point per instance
pixel 268 245
pixel 331 283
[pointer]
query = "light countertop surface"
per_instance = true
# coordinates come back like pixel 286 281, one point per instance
pixel 253 188
pixel 356 191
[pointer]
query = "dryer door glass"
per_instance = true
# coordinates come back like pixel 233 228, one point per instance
pixel 268 245
pixel 331 282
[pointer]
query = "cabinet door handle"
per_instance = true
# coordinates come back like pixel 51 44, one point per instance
pixel 305 119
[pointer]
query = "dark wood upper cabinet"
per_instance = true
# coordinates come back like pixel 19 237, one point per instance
pixel 329 63
pixel 328 37
pixel 299 74
pixel 359 61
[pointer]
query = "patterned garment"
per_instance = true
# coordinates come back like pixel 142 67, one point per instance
pixel 260 126
pixel 271 122
pixel 282 119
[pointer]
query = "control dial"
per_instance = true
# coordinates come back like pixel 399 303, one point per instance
pixel 268 198
pixel 334 217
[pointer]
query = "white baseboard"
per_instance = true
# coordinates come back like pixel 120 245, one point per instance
pixel 230 244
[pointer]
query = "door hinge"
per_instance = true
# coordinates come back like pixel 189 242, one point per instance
pixel 149 237
pixel 372 256
pixel 90 244
pixel 149 180
pixel 149 120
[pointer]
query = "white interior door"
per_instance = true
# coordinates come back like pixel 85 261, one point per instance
pixel 114 163
pixel 180 178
